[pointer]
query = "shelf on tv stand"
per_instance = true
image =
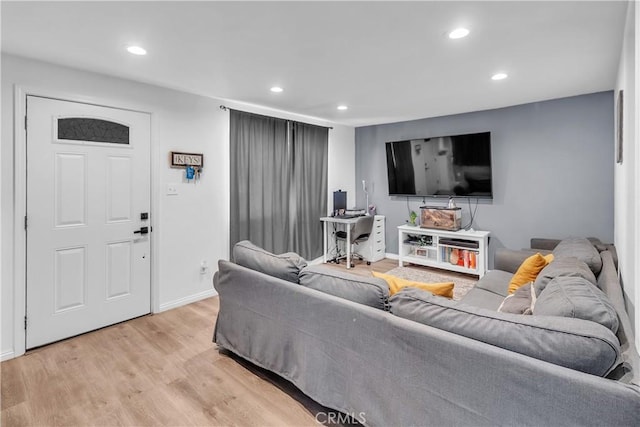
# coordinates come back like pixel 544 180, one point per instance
pixel 437 253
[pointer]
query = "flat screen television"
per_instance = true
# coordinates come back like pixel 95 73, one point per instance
pixel 443 166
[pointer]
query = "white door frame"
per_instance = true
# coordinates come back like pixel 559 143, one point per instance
pixel 20 202
pixel 636 209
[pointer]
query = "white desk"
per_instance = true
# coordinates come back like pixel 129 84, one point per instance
pixel 347 221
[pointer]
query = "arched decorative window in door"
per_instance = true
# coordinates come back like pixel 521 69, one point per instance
pixel 93 130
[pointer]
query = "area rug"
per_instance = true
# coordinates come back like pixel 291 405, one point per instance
pixel 462 285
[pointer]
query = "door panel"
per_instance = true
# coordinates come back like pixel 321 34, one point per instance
pixel 119 269
pixel 119 189
pixel 88 180
pixel 70 188
pixel 70 278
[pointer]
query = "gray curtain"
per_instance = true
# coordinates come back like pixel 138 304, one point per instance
pixel 260 181
pixel 278 183
pixel 310 158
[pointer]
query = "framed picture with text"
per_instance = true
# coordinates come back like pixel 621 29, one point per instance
pixel 180 160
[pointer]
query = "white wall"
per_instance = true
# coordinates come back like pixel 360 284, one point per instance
pixel 342 171
pixel 627 174
pixel 188 228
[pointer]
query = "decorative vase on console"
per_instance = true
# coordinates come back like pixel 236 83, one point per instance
pixel 412 218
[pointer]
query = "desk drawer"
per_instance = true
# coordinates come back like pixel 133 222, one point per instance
pixel 374 248
pixel 377 254
pixel 377 241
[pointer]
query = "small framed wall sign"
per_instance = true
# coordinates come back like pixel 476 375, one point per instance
pixel 180 160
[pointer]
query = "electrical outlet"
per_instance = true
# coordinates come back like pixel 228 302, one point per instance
pixel 172 189
pixel 204 267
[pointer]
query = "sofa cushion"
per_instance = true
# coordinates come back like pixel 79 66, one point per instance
pixel 482 298
pixel 509 260
pixel 444 289
pixel 565 266
pixel 369 291
pixel 519 302
pixel 285 266
pixel 528 270
pixel 495 281
pixel 579 298
pixel 582 249
pixel 573 343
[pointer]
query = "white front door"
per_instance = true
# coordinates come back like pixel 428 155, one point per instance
pixel 88 191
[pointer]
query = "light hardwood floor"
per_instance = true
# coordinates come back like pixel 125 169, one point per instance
pixel 156 370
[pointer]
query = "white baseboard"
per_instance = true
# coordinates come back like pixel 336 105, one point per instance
pixel 187 300
pixel 6 355
pixel 392 256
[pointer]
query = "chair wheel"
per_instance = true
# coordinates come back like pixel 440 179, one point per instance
pixel 368 262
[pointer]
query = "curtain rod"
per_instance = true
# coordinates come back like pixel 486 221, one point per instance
pixel 225 108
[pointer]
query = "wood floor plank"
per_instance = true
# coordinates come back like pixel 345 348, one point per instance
pixel 155 370
pixel 14 390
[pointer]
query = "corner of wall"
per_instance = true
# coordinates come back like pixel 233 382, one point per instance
pixel 627 173
pixel 636 143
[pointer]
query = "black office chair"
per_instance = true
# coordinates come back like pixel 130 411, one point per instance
pixel 360 231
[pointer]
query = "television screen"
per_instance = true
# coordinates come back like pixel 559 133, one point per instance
pixel 444 166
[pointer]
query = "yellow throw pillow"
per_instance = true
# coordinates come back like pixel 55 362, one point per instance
pixel 528 270
pixel 444 289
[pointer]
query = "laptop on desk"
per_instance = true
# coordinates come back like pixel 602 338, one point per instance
pixel 346 216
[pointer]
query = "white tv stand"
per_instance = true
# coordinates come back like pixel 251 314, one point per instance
pixel 440 247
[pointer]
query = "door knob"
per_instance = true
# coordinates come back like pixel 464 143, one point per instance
pixel 143 230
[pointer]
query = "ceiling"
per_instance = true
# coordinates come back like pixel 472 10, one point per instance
pixel 387 61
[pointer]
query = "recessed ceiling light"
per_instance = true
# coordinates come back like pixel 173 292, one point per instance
pixel 136 50
pixel 276 89
pixel 458 33
pixel 342 107
pixel 499 76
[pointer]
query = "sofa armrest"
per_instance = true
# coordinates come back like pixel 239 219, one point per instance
pixel 550 244
pixel 215 279
pixel 544 244
pixel 509 260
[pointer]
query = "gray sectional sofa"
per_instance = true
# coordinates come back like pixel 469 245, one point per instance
pixel 420 360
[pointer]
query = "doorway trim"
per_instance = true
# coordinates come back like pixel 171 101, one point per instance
pixel 20 202
pixel 636 210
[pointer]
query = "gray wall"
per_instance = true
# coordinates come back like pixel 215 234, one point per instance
pixel 552 170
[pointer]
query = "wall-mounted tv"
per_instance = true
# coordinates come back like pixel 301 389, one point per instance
pixel 443 166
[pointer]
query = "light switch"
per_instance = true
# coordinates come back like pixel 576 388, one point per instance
pixel 172 189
